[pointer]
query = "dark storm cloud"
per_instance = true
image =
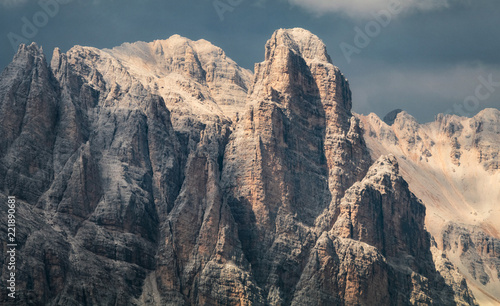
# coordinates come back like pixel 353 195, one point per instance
pixel 425 61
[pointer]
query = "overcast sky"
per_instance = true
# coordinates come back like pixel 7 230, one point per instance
pixel 423 56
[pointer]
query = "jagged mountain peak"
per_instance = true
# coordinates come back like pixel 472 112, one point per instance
pixel 299 40
pixel 25 58
pixel 193 71
pixel 32 48
pixel 297 65
pixel 404 116
pixel 159 48
pixel 489 114
pixel 387 164
pixel 192 77
pixel 406 124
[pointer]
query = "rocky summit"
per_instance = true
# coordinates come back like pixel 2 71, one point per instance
pixel 163 173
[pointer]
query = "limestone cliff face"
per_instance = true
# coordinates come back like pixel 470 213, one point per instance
pixel 381 204
pixel 144 177
pixel 290 159
pixel 110 172
pixel 378 251
pixel 29 116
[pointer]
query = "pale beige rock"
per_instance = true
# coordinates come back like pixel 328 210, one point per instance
pixel 452 165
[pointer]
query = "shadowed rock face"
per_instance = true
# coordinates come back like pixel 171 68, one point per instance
pixel 391 116
pixel 130 193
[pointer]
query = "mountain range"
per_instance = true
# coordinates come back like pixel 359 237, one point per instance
pixel 163 173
